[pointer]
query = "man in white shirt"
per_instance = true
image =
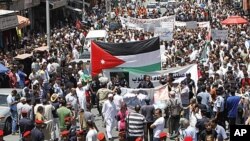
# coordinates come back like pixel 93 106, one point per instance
pixel 72 99
pixel 188 131
pixel 221 133
pixel 218 108
pixel 158 125
pixel 109 112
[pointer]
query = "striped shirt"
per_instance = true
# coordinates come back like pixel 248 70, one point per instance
pixel 135 122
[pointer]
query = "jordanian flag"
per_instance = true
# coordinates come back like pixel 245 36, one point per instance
pixel 140 56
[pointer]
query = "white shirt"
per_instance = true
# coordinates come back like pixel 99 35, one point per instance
pixel 72 100
pixel 80 92
pixel 185 96
pixel 48 108
pixel 219 103
pixel 221 133
pixel 75 54
pixel 91 135
pixel 159 127
pixel 190 131
pixel 193 118
pixel 109 110
pixel 118 101
pixel 10 99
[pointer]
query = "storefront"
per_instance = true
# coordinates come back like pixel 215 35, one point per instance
pixel 10 22
pixel 8 34
pixel 57 14
pixel 26 8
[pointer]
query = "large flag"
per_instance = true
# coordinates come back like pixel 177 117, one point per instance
pixel 139 56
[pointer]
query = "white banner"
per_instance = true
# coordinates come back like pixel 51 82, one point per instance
pixel 133 97
pixel 168 25
pixel 134 22
pixel 191 25
pixel 135 78
pixel 165 34
pixel 219 34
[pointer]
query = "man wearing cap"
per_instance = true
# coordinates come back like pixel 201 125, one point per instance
pixel 163 136
pixel 65 135
pixel 109 112
pixel 27 136
pixel 55 103
pixel 1 135
pixel 19 106
pixel 25 124
pixel 80 92
pixel 36 133
pixel 148 112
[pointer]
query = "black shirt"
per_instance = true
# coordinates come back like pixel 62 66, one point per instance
pixel 145 84
pixel 56 106
pixel 200 124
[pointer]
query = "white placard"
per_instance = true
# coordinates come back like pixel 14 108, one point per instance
pixel 219 34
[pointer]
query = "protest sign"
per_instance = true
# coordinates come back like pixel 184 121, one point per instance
pixel 164 33
pixel 219 34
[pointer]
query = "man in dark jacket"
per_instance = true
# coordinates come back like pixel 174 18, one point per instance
pixel 146 83
pixel 36 133
pixel 25 123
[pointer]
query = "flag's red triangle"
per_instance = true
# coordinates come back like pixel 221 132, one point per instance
pixel 101 59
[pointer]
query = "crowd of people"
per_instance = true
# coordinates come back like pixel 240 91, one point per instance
pixel 58 94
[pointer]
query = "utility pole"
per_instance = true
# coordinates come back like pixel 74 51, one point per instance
pixel 83 10
pixel 48 23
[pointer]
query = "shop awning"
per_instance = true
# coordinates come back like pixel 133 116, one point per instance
pixel 232 20
pixel 22 21
pixel 41 49
pixel 23 56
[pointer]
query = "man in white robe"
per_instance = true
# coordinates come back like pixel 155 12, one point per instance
pixel 109 112
pixel 80 92
pixel 48 108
